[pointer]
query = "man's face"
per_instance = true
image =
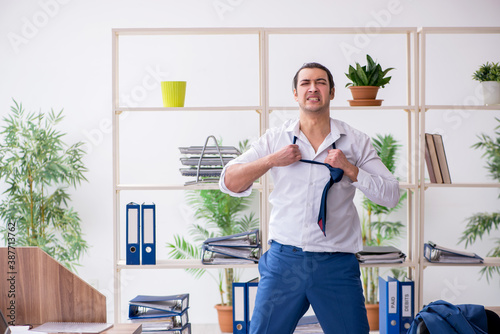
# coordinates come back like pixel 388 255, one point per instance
pixel 313 90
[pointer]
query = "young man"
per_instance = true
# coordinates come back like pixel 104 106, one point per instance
pixel 314 230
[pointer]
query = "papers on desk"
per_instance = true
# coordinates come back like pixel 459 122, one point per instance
pixel 380 254
pixel 238 248
pixel 440 254
pixel 72 327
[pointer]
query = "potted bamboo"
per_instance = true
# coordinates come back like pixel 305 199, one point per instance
pixel 366 81
pixel 38 167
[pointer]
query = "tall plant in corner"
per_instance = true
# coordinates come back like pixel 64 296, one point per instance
pixel 376 229
pixel 38 167
pixel 481 224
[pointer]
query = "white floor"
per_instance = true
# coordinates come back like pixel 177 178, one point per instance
pixel 214 329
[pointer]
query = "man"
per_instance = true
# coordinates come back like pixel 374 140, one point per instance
pixel 310 263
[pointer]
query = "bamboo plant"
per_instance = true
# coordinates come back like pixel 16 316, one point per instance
pixel 376 230
pixel 218 214
pixel 38 167
pixel 481 224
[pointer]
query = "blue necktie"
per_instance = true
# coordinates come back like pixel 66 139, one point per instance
pixel 335 176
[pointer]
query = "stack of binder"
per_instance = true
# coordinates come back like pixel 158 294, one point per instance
pixel 396 305
pixel 380 254
pixel 161 314
pixel 206 162
pixel 440 254
pixel 238 248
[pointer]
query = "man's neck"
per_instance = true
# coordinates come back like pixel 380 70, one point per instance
pixel 315 127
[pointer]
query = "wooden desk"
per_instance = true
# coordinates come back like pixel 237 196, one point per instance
pixel 36 289
pixel 116 329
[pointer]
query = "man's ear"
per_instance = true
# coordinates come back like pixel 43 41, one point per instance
pixel 295 95
pixel 332 93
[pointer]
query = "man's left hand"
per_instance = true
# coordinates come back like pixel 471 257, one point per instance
pixel 336 158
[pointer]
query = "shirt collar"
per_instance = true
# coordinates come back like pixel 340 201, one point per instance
pixel 336 129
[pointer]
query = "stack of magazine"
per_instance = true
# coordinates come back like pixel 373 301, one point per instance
pixel 440 254
pixel 238 248
pixel 161 314
pixel 206 162
pixel 380 254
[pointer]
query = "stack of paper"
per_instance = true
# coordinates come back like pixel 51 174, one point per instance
pixel 380 254
pixel 435 253
pixel 161 314
pixel 232 249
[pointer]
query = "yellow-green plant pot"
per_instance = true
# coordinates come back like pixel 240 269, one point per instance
pixel 174 93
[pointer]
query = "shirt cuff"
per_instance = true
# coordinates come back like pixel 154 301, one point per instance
pixel 224 189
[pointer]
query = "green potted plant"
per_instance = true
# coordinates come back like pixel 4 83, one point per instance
pixel 489 76
pixel 219 214
pixel 38 167
pixel 366 81
pixel 482 224
pixel 376 230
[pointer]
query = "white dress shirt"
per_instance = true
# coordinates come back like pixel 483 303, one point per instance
pixel 296 197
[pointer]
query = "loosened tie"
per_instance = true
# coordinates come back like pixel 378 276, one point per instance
pixel 335 176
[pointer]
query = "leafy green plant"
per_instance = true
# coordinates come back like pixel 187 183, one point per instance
pixel 38 167
pixel 481 224
pixel 218 214
pixel 376 230
pixel 368 75
pixel 487 72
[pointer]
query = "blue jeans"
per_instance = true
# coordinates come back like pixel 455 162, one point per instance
pixel 291 280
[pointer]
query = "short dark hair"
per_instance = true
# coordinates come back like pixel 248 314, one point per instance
pixel 314 65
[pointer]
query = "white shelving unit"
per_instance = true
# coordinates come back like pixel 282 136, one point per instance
pixel 267 37
pixel 426 109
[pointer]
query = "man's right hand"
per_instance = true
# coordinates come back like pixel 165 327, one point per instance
pixel 287 155
pixel 239 177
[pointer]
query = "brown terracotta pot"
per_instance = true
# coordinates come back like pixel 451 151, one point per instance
pixel 364 92
pixel 225 314
pixel 372 313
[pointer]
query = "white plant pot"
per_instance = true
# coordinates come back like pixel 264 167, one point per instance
pixel 491 92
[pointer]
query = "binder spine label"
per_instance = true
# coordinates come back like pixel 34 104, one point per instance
pixel 406 300
pixel 393 297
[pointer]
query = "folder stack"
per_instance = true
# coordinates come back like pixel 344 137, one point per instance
pixel 435 253
pixel 238 248
pixel 396 305
pixel 161 314
pixel 380 254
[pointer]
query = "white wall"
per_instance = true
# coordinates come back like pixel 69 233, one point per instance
pixel 57 54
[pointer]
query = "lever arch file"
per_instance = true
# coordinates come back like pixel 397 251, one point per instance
pixel 148 233
pixel 390 312
pixel 133 233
